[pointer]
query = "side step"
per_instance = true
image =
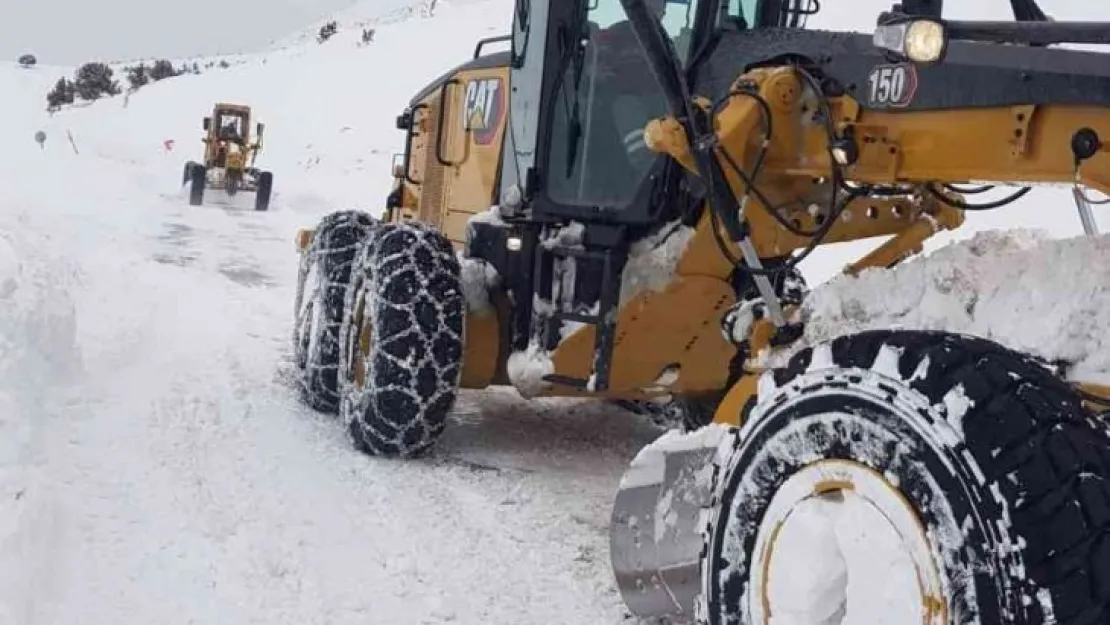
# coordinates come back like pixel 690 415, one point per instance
pixel 602 245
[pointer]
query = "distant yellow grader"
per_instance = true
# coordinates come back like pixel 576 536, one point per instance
pixel 616 208
pixel 229 157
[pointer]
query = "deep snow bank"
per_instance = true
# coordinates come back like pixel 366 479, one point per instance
pixel 38 354
pixel 1048 297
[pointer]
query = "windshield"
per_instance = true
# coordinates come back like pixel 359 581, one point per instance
pixel 604 97
pixel 745 10
pixel 230 126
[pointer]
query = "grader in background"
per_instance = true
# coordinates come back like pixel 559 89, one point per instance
pixel 229 158
pixel 655 177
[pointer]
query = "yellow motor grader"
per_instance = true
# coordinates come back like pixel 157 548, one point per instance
pixel 625 223
pixel 229 157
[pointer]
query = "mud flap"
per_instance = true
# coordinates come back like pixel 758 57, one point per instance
pixel 655 533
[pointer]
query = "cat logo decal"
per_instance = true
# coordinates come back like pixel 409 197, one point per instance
pixel 484 109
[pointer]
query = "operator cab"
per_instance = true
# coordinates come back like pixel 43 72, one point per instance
pixel 231 125
pixel 586 78
pixel 583 90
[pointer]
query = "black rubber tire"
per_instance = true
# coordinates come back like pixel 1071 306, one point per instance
pixel 187 172
pixel 198 180
pixel 409 279
pixel 234 181
pixel 1031 477
pixel 264 190
pixel 323 279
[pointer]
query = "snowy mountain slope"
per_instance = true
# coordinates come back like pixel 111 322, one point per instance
pixel 368 15
pixel 59 31
pixel 329 109
pixel 155 466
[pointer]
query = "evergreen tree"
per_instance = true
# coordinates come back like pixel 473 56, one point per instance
pixel 95 80
pixel 138 76
pixel 62 93
pixel 162 69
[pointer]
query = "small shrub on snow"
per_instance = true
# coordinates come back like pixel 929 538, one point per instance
pixel 137 76
pixel 164 69
pixel 95 80
pixel 327 31
pixel 28 60
pixel 63 93
pixel 141 75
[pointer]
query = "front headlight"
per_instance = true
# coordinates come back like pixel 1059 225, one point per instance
pixel 925 41
pixel 921 40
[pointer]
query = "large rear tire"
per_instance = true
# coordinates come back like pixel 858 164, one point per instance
pixel 402 341
pixel 984 463
pixel 198 180
pixel 264 190
pixel 187 173
pixel 323 279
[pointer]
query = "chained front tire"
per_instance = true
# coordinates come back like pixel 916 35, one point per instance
pixel 985 479
pixel 325 273
pixel 402 341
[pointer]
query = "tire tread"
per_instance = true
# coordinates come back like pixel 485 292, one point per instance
pixel 1032 437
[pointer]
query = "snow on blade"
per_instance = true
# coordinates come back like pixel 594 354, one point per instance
pixel 1047 297
pixel 649 464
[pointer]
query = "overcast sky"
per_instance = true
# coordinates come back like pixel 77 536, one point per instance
pixel 69 32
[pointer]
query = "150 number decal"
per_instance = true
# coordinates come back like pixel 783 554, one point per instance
pixel 892 85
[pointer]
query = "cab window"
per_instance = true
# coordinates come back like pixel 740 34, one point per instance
pixel 604 99
pixel 230 126
pixel 677 17
pixel 746 10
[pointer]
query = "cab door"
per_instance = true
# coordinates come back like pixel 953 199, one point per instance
pixel 475 106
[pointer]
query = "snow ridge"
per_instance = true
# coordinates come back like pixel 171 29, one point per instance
pixel 1020 288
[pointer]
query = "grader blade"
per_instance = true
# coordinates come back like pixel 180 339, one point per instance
pixel 655 534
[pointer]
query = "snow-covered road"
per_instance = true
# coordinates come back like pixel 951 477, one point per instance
pixel 155 464
pixel 166 472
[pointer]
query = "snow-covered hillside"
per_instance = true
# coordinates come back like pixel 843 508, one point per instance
pixel 155 463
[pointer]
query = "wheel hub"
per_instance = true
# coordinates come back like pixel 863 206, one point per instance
pixel 841 545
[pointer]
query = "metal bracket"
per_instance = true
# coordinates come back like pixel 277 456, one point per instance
pixel 1086 215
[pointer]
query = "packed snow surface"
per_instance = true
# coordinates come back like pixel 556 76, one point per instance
pixel 1048 297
